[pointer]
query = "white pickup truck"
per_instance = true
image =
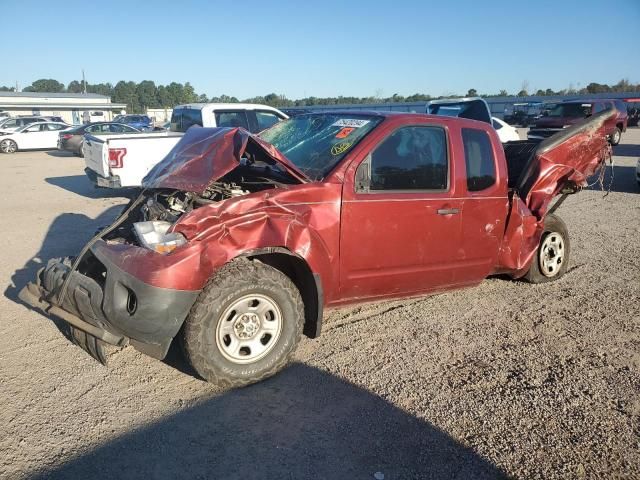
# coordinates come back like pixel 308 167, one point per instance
pixel 116 161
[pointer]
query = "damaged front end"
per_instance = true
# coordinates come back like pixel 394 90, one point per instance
pixel 136 280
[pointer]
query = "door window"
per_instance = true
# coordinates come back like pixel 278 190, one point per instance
pixel 36 128
pixel 266 120
pixel 478 157
pixel 232 119
pixel 411 158
pixel 10 124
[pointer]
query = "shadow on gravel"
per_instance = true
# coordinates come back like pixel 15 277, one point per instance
pixel 626 150
pixel 80 185
pixel 303 423
pixel 622 179
pixel 67 234
pixel 60 153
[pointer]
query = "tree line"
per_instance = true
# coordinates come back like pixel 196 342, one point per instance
pixel 146 94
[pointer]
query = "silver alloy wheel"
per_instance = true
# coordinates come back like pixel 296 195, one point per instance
pixel 616 137
pixel 249 328
pixel 8 146
pixel 551 254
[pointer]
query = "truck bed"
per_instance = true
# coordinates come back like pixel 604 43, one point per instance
pixel 518 154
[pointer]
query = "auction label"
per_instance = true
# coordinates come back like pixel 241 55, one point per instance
pixel 350 122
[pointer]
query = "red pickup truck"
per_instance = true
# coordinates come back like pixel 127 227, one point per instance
pixel 238 242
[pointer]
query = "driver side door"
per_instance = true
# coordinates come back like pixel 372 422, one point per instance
pixel 401 218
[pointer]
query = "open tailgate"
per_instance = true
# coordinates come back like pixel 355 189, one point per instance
pixel 95 155
pixel 564 161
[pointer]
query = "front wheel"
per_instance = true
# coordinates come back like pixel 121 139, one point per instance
pixel 8 146
pixel 244 326
pixel 552 257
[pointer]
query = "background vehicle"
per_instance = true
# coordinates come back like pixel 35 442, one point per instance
pixel 93 116
pixel 139 122
pixel 12 124
pixel 32 137
pixel 238 242
pixel 136 154
pixel 522 114
pixel 565 114
pixel 633 111
pixel 506 132
pixel 54 118
pixel 72 139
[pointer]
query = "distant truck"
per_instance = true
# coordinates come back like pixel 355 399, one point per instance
pixel 117 161
pixel 565 114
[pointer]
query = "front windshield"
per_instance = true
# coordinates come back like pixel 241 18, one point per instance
pixel 570 110
pixel 317 142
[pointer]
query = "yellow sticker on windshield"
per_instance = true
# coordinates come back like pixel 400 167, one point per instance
pixel 339 148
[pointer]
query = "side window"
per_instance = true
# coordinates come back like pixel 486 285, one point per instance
pixel 10 124
pixel 266 120
pixel 497 125
pixel 34 128
pixel 53 126
pixel 598 107
pixel 232 119
pixel 411 158
pixel 478 157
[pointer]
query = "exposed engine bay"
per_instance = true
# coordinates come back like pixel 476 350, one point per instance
pixel 167 206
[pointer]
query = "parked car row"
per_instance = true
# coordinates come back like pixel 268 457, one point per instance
pixel 564 114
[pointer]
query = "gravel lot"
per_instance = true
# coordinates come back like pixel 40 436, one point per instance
pixel 503 380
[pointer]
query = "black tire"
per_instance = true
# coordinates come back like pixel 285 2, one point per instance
pixel 616 136
pixel 8 146
pixel 230 285
pixel 538 272
pixel 80 152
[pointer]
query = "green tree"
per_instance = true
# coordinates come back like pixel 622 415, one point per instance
pixel 125 92
pixel 472 92
pixel 45 85
pixel 147 94
pixel 74 87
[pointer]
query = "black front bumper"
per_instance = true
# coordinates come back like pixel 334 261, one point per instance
pixel 109 305
pixel 107 182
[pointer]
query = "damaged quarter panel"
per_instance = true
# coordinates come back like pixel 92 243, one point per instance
pixel 560 163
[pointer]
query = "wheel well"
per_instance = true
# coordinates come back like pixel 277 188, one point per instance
pixel 307 283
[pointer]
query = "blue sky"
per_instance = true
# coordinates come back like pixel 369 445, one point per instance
pixel 328 48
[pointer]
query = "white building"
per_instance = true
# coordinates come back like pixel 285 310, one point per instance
pixel 74 108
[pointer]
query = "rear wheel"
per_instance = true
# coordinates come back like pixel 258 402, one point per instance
pixel 552 257
pixel 244 326
pixel 80 152
pixel 616 136
pixel 8 146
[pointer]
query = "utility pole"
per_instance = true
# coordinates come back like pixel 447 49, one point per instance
pixel 84 83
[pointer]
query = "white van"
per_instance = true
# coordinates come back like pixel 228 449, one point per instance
pixel 116 161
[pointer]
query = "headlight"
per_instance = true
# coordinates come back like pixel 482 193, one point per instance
pixel 153 235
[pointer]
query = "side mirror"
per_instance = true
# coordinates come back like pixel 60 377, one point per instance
pixel 363 176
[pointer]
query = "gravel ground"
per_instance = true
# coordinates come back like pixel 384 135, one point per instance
pixel 503 380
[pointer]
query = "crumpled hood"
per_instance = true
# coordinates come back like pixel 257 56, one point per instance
pixel 204 155
pixel 568 157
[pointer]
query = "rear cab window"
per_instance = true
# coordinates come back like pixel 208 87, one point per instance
pixel 183 118
pixel 232 118
pixel 479 159
pixel 266 119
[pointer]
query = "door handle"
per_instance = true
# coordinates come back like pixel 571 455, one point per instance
pixel 448 211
